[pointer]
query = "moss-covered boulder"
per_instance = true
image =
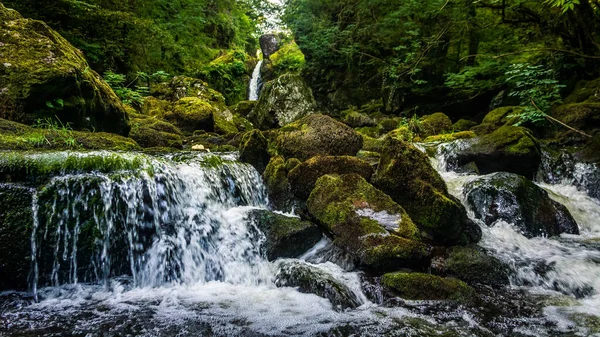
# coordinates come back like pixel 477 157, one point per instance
pixel 311 279
pixel 224 122
pixel 16 220
pixel 366 223
pixel 282 101
pixel 417 286
pixel 191 114
pixel 509 149
pixel 435 124
pixel 287 237
pixel 278 186
pixel 406 174
pixel 515 199
pixel 463 125
pixel 243 108
pixel 472 265
pixel 181 87
pixel 317 135
pixel 254 150
pixel 581 116
pixel 498 118
pixel 42 76
pixel 356 118
pixel 153 132
pixel 304 176
pixel 17 136
pixel 585 91
pixel 450 137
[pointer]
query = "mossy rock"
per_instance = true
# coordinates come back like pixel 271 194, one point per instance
pixel 515 199
pixel 243 108
pixel 434 124
pixel 450 137
pixel 43 76
pixel 585 91
pixel 417 286
pixel 254 150
pixel 153 132
pixel 16 136
pixel 181 87
pixel 498 118
pixel 356 119
pixel 16 221
pixel 155 107
pixel 242 124
pixel 282 101
pixel 370 131
pixel 210 140
pixel 278 187
pixel 406 174
pixel 224 123
pixel 287 237
pixel 303 177
pixel 509 149
pixel 372 144
pixel 463 125
pixel 404 134
pixel 475 266
pixel 191 114
pixel 366 223
pixel 581 116
pixel 317 135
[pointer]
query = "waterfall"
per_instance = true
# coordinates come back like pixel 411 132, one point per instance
pixel 255 82
pixel 176 221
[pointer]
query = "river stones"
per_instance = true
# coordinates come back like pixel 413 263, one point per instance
pixel 406 175
pixel 514 199
pixel 418 286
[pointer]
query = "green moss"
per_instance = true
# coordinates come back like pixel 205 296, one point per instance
pixel 304 176
pixel 241 123
pixel 474 266
pixel 495 119
pixel 316 135
pixel 288 59
pixel 463 125
pixel 243 108
pixel 511 139
pixel 254 150
pixel 155 107
pixel 581 116
pixel 275 178
pixel 406 174
pixel 450 137
pixel 403 133
pixel 417 286
pixel 191 114
pixel 585 91
pixel 153 132
pixel 357 215
pixel 230 75
pixel 370 131
pixel 224 122
pixel 43 76
pixel 435 124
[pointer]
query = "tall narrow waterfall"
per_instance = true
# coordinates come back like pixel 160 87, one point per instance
pixel 255 83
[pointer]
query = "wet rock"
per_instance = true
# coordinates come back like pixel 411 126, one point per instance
pixel 514 199
pixel 150 132
pixel 417 286
pixel 508 149
pixel 318 135
pixel 16 220
pixel 474 266
pixel 314 280
pixel 282 101
pixel 269 45
pixel 287 237
pixel 366 223
pixel 243 108
pixel 191 114
pixel 278 186
pixel 43 76
pixel 304 176
pixel 406 175
pixel 254 150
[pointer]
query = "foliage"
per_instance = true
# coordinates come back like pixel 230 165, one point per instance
pixel 229 75
pixel 536 89
pixel 53 130
pixel 133 92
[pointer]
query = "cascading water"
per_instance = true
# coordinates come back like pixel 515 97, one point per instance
pixel 255 82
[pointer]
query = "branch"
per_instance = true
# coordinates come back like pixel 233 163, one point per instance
pixel 552 119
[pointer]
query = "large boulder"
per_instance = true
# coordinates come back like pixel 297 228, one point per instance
pixel 304 176
pixel 16 219
pixel 581 116
pixel 191 114
pixel 498 118
pixel 366 223
pixel 287 237
pixel 282 101
pixel 406 174
pixel 435 124
pixel 317 135
pixel 585 91
pixel 278 186
pixel 509 149
pixel 254 150
pixel 180 87
pixel 417 286
pixel 42 76
pixel 149 131
pixel 472 265
pixel 514 199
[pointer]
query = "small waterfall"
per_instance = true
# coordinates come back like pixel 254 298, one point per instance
pixel 255 82
pixel 176 221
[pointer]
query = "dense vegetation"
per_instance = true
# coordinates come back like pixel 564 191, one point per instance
pixel 408 52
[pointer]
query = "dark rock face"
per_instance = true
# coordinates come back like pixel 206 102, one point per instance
pixel 472 265
pixel 514 199
pixel 269 44
pixel 16 219
pixel 304 176
pixel 287 237
pixel 318 135
pixel 313 280
pixel 43 76
pixel 254 150
pixel 406 175
pixel 508 149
